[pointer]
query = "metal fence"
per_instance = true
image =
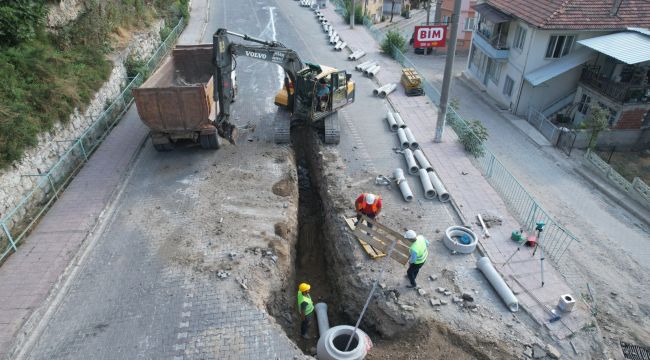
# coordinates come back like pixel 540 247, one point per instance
pixel 18 222
pixel 544 125
pixel 555 238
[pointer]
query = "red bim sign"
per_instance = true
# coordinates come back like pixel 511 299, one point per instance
pixel 430 36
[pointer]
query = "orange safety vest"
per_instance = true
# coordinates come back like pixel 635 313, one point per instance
pixel 368 209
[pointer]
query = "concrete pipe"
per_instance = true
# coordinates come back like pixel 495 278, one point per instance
pixel 359 55
pixel 429 191
pixel 336 38
pixel 387 90
pixel 422 160
pixel 410 162
pixel 378 90
pixel 321 318
pixel 409 135
pixel 443 195
pixel 367 65
pixel 374 71
pixel 330 32
pixel 453 233
pixel 399 121
pixel 485 265
pixel 359 67
pixel 354 54
pixel 369 68
pixel 332 37
pixel 326 27
pixel 338 44
pixel 403 141
pixel 391 121
pixel 343 46
pixel 404 187
pixel 332 345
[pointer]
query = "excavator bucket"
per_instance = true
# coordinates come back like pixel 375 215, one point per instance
pixel 229 132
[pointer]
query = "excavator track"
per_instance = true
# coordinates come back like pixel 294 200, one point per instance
pixel 332 129
pixel 282 127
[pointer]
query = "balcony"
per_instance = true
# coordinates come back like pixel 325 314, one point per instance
pixel 494 46
pixel 623 93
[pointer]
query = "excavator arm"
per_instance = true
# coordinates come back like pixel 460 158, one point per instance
pixel 223 53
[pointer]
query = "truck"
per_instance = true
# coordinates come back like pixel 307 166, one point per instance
pixel 177 102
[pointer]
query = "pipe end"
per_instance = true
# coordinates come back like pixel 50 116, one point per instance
pixel 430 194
pixel 414 170
pixel 444 197
pixel 415 146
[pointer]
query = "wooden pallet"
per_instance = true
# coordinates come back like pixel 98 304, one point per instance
pixel 378 242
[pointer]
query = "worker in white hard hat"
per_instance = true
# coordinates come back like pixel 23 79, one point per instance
pixel 368 204
pixel 419 254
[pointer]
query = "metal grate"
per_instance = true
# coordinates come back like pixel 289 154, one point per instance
pixel 635 352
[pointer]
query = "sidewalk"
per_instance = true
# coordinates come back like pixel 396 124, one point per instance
pixel 29 278
pixel 473 194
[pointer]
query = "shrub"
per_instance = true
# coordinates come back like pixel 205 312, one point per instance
pixel 20 20
pixel 393 40
pixel 358 13
pixel 472 136
pixel 597 123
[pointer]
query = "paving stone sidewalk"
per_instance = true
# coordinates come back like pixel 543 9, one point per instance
pixel 473 193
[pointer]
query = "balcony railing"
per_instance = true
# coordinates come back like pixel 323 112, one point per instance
pixel 498 40
pixel 620 92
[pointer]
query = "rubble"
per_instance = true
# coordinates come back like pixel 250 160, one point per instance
pixel 435 302
pixel 553 352
pixel 422 292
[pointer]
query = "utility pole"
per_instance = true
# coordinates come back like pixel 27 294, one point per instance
pixel 449 65
pixel 352 16
pixel 428 10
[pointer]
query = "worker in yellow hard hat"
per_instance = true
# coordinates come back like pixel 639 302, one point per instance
pixel 305 308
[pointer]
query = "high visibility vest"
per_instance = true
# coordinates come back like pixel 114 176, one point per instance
pixel 368 209
pixel 419 247
pixel 310 305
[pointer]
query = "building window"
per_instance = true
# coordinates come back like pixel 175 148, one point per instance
pixel 520 38
pixel 583 105
pixel 493 70
pixel 559 45
pixel 507 86
pixel 470 22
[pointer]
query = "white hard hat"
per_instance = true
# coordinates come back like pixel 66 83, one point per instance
pixel 370 199
pixel 410 234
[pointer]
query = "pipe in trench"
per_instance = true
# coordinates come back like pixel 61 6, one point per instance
pixel 403 141
pixel 321 318
pixel 404 187
pixel 485 265
pixel 399 121
pixel 391 121
pixel 410 162
pixel 422 160
pixel 332 341
pixel 429 191
pixel 443 195
pixel 413 144
pixel 387 90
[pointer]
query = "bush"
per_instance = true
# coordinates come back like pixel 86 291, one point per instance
pixel 393 40
pixel 135 67
pixel 358 13
pixel 20 20
pixel 597 123
pixel 472 136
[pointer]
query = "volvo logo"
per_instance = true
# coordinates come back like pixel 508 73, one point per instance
pixel 255 55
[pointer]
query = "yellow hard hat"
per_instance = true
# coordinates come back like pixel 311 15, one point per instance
pixel 304 287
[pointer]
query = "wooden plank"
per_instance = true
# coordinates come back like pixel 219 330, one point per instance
pixel 372 252
pixel 400 246
pixel 383 227
pixel 396 255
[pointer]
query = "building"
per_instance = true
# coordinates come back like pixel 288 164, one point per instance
pixel 466 25
pixel 564 56
pixel 373 9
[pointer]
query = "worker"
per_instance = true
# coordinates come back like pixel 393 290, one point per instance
pixel 419 253
pixel 368 204
pixel 323 94
pixel 305 308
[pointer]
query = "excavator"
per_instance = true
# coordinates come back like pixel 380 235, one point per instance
pixel 312 94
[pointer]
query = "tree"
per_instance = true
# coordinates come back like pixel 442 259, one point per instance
pixel 597 123
pixel 393 41
pixel 392 8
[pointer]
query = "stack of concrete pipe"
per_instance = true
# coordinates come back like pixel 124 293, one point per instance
pixel 383 91
pixel 404 187
pixel 429 191
pixel 411 164
pixel 443 195
pixel 422 160
pixel 326 27
pixel 334 39
pixel 372 71
pixel 403 141
pixel 365 65
pixel 413 144
pixel 357 55
pixel 392 123
pixel 340 45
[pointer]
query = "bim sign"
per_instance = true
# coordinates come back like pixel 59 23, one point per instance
pixel 429 36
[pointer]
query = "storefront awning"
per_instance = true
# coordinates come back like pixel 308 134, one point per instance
pixel 491 13
pixel 559 67
pixel 630 47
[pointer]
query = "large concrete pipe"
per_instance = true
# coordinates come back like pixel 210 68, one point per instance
pixel 410 162
pixel 368 65
pixel 387 90
pixel 326 27
pixel 377 90
pixel 429 191
pixel 354 55
pixel 332 345
pixel 452 236
pixel 365 71
pixel 342 46
pixel 443 195
pixel 399 121
pixel 336 38
pixel 409 135
pixel 391 122
pixel 360 67
pixel 321 318
pixel 422 160
pixel 374 71
pixel 404 187
pixel 485 265
pixel 337 45
pixel 403 141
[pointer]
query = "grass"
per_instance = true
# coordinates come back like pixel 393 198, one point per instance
pixel 630 164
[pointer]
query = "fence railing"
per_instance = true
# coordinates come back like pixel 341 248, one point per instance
pixel 19 221
pixel 637 189
pixel 543 125
pixel 555 239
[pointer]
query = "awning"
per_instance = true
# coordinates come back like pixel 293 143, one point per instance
pixel 559 67
pixel 491 13
pixel 630 47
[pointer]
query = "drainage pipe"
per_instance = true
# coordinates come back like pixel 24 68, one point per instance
pixel 338 44
pixel 387 90
pixel 404 187
pixel 410 162
pixel 399 121
pixel 374 71
pixel 403 141
pixel 443 195
pixel 354 55
pixel 365 71
pixel 343 45
pixel 380 89
pixel 326 27
pixel 391 122
pixel 422 160
pixel 485 265
pixel 429 192
pixel 321 318
pixel 409 135
pixel 360 67
pixel 333 345
pixel 367 66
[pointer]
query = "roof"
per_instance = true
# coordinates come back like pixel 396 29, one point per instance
pixel 491 13
pixel 559 67
pixel 630 47
pixel 577 14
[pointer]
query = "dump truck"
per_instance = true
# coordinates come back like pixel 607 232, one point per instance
pixel 412 82
pixel 177 102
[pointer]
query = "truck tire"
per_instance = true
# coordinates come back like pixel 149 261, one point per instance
pixel 210 141
pixel 163 147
